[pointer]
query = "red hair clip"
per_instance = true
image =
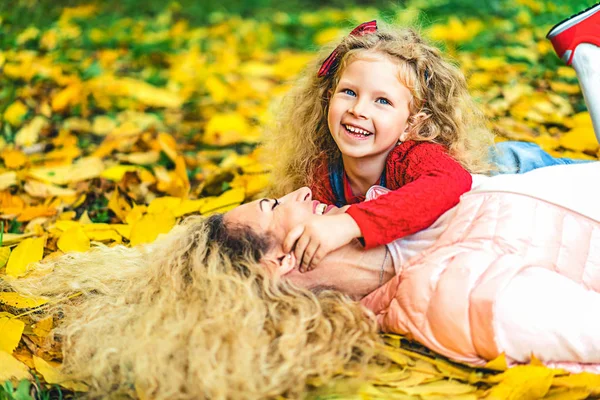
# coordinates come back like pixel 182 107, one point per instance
pixel 330 64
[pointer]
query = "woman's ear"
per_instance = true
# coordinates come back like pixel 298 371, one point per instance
pixel 279 262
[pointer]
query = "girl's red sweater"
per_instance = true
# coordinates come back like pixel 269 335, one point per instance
pixel 425 182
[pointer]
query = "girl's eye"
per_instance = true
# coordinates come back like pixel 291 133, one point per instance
pixel 349 92
pixel 275 204
pixel 382 100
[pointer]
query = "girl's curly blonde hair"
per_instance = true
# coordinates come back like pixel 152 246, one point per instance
pixel 195 316
pixel 300 140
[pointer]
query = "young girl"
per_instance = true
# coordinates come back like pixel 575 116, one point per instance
pixel 385 108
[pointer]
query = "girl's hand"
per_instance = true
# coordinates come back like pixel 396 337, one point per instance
pixel 318 237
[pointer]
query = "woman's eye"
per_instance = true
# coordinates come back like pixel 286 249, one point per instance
pixel 382 100
pixel 275 204
pixel 349 92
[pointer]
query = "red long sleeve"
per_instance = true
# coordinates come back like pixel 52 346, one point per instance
pixel 425 182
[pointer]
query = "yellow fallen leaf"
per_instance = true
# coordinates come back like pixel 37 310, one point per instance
pixel 444 387
pixel 161 204
pixel 68 96
pixel 73 239
pixel 30 133
pixel 27 252
pixel 15 113
pixel 14 238
pixel 43 327
pixel 135 214
pixel 32 212
pixel 147 229
pixel 8 179
pixel 567 394
pixel 119 205
pixel 225 129
pixel 225 202
pixel 17 300
pixel 52 375
pixel 11 329
pixel 84 169
pixel 13 159
pixel 189 206
pixel 4 254
pixel 168 145
pixel 581 136
pixel 11 368
pixel 103 125
pixel 498 363
pixel 181 172
pixel 521 382
pixel 147 158
pixel 44 190
pixel 584 380
pixel 122 229
pixel 116 173
pixel 101 232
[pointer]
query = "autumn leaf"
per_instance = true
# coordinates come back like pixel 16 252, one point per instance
pixel 52 375
pixel 522 382
pixel 11 368
pixel 17 300
pixel 73 239
pixel 147 229
pixel 11 329
pixel 27 252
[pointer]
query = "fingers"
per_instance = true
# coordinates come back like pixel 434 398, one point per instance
pixel 291 238
pixel 307 263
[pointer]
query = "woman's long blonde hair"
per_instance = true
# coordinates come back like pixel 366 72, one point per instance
pixel 300 140
pixel 195 316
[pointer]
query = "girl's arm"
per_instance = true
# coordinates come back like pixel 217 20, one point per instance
pixel 429 182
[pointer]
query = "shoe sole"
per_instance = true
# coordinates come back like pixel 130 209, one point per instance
pixel 572 20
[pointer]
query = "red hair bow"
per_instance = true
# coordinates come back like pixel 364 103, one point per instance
pixel 331 63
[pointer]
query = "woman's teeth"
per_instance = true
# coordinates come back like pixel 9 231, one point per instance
pixel 320 209
pixel 358 131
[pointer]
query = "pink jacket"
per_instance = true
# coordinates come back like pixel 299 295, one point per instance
pixel 487 285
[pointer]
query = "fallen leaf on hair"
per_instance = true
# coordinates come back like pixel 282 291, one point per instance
pixel 11 329
pixel 27 252
pixel 43 327
pixel 11 368
pixel 52 375
pixel 17 300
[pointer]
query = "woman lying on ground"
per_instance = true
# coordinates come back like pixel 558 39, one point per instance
pixel 217 310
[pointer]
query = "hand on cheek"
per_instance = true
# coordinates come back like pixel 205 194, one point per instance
pixel 319 236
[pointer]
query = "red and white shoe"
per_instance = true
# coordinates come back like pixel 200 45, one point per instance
pixel 580 28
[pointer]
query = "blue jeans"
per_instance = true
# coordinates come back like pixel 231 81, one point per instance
pixel 521 157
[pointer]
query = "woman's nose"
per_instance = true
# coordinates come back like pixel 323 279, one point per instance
pixel 302 194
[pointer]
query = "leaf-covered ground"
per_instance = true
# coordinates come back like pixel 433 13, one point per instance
pixel 114 128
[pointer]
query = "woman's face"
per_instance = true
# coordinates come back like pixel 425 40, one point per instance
pixel 276 217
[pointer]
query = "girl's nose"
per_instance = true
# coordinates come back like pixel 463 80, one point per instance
pixel 358 109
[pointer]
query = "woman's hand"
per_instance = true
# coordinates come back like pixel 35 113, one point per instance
pixel 318 237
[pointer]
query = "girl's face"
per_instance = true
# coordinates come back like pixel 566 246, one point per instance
pixel 276 217
pixel 369 109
